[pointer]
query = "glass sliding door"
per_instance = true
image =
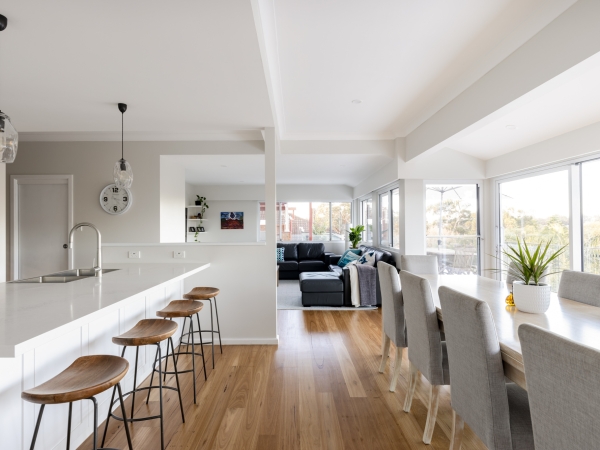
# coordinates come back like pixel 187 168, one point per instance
pixel 384 220
pixel 452 227
pixel 366 219
pixel 590 214
pixel 536 209
pixel 341 216
pixel 396 218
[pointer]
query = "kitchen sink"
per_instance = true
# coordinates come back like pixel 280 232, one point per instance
pixel 66 276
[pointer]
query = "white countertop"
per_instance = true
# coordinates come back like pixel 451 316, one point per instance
pixel 30 310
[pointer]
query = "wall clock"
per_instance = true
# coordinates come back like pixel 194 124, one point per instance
pixel 115 200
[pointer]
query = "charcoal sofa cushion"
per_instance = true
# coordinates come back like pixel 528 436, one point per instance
pixel 320 282
pixel 322 299
pixel 288 266
pixel 311 251
pixel 312 266
pixel 291 251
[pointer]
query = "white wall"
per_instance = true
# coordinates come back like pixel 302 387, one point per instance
pixel 172 201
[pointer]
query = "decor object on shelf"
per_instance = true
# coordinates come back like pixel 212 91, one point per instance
pixel 355 235
pixel 122 172
pixel 9 138
pixel 529 267
pixel 232 220
pixel 192 229
pixel 115 200
pixel 280 253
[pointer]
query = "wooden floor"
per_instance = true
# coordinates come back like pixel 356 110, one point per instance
pixel 319 389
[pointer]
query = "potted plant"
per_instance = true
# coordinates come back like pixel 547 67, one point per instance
pixel 201 201
pixel 355 235
pixel 529 267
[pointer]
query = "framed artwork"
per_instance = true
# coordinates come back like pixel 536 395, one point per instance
pixel 232 221
pixel 192 229
pixel 201 229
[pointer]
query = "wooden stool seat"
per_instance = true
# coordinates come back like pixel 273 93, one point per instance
pixel 202 293
pixel 180 308
pixel 147 332
pixel 86 377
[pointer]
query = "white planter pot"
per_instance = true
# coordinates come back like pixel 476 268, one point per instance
pixel 531 298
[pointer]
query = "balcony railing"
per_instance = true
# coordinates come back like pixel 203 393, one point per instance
pixel 457 255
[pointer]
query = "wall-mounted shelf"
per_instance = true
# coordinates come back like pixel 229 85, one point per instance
pixel 197 219
pixel 194 206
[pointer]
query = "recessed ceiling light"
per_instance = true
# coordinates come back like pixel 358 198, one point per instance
pixel 511 127
pixel 356 101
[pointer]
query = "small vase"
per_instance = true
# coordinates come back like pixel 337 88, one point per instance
pixel 531 298
pixel 198 202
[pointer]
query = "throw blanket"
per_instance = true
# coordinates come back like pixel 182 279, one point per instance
pixel 363 279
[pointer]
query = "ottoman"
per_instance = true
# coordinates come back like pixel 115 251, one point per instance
pixel 321 289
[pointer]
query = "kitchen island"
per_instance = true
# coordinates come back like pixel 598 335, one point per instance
pixel 44 327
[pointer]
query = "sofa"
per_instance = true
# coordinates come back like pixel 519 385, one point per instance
pixel 303 257
pixel 344 273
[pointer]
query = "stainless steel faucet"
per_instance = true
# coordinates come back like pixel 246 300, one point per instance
pixel 98 267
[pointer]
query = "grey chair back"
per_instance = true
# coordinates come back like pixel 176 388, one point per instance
pixel 580 286
pixel 419 264
pixel 477 384
pixel 563 382
pixel 392 304
pixel 423 331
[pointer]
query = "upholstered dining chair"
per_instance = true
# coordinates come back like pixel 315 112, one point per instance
pixel 426 350
pixel 580 286
pixel 497 411
pixel 394 326
pixel 563 385
pixel 419 264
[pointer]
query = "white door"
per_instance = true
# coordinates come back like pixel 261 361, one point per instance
pixel 42 219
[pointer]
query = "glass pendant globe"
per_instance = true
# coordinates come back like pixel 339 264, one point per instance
pixel 9 140
pixel 123 174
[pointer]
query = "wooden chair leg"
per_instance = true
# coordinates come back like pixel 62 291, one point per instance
pixel 397 367
pixel 458 426
pixel 434 398
pixel 412 383
pixel 385 351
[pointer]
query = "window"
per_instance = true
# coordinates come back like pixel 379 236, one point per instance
pixel 384 220
pixel 536 209
pixel 590 213
pixel 452 227
pixel 310 221
pixel 366 219
pixel 389 218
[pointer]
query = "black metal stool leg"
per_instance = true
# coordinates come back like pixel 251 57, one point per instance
pixel 37 427
pixel 160 386
pixel 124 421
pixel 96 422
pixel 137 352
pixel 177 379
pixel 69 425
pixel 201 344
pixel 218 326
pixel 193 357
pixel 152 377
pixel 112 399
pixel 212 334
pixel 166 361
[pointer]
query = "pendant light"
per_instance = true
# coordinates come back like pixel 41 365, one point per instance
pixel 122 172
pixel 9 138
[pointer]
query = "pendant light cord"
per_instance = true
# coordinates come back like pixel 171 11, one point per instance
pixel 122 125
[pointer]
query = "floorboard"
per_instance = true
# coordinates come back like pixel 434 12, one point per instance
pixel 318 389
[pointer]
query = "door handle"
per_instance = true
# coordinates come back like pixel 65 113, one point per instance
pixel 65 246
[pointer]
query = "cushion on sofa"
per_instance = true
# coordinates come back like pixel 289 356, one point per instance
pixel 347 257
pixel 311 250
pixel 312 266
pixel 280 254
pixel 367 258
pixel 320 282
pixel 291 251
pixel 287 266
pixel 336 269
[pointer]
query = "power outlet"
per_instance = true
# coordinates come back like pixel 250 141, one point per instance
pixel 135 255
pixel 179 254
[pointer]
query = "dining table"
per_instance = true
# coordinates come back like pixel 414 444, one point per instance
pixel 573 320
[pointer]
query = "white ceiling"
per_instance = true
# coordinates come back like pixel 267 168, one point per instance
pixel 571 105
pixel 347 170
pixel 182 67
pixel 404 59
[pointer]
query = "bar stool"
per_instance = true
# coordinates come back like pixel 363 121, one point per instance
pixel 147 332
pixel 186 309
pixel 208 294
pixel 82 380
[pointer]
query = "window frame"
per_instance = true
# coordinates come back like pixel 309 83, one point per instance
pixel 389 190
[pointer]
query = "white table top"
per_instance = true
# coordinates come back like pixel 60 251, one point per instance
pixel 30 310
pixel 574 320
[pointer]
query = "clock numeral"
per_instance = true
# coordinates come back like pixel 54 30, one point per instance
pixel 105 199
pixel 125 199
pixel 114 208
pixel 115 189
